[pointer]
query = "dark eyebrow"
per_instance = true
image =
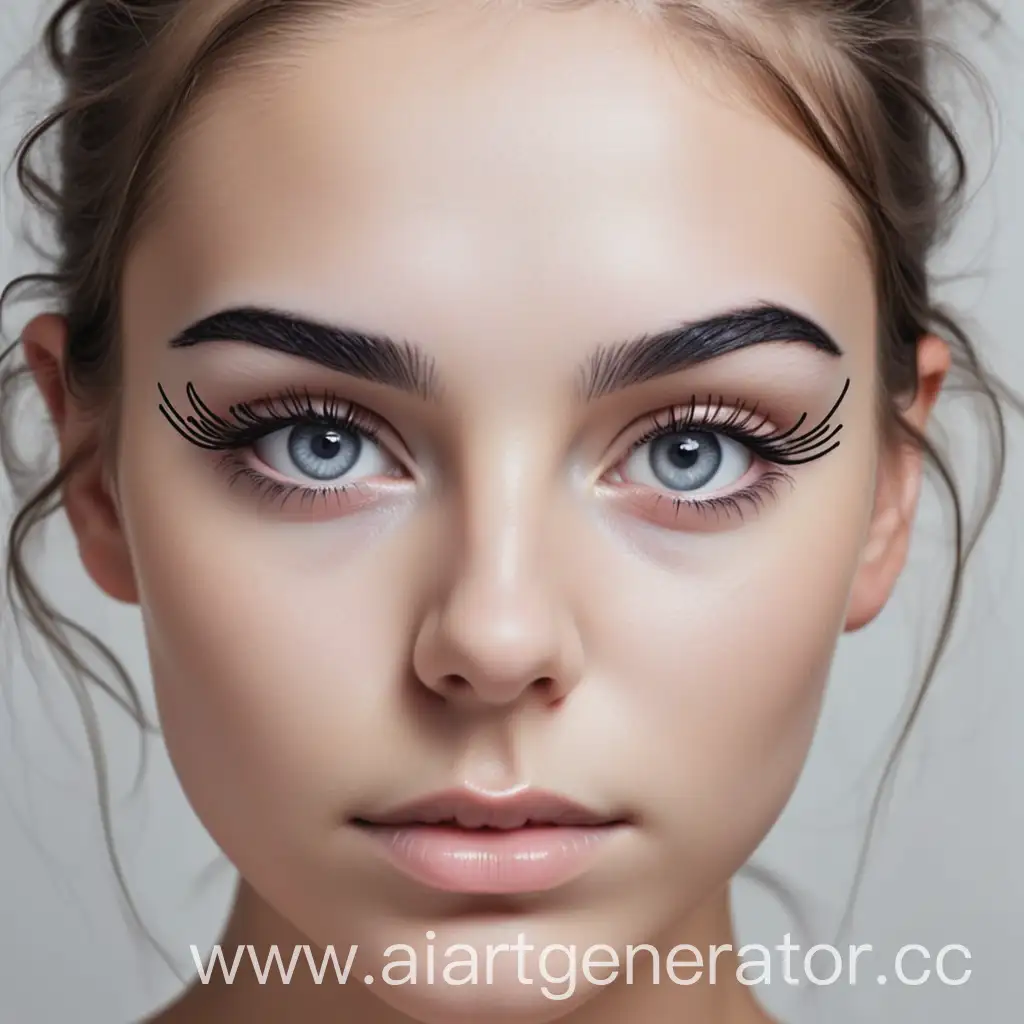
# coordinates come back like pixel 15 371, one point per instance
pixel 365 356
pixel 402 365
pixel 612 368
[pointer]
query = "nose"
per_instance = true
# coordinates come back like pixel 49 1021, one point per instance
pixel 502 628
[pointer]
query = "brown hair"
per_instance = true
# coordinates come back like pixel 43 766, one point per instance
pixel 850 77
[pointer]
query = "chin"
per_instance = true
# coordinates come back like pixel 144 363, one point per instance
pixel 525 970
pixel 495 1004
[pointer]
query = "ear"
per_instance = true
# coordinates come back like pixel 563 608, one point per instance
pixel 88 492
pixel 897 489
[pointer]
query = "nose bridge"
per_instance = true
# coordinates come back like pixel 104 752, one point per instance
pixel 502 622
pixel 504 580
pixel 505 513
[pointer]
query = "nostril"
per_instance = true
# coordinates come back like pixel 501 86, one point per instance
pixel 550 691
pixel 454 687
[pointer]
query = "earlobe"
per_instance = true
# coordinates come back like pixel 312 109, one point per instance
pixel 87 491
pixel 897 490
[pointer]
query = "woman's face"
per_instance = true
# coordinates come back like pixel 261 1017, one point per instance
pixel 522 544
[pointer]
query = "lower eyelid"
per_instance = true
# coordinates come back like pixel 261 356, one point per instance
pixel 668 509
pixel 248 458
pixel 313 503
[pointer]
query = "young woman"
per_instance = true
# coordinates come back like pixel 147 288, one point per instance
pixel 498 412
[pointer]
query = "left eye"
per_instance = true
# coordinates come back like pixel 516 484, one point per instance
pixel 689 461
pixel 321 453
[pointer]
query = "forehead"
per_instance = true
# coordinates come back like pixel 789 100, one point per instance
pixel 525 176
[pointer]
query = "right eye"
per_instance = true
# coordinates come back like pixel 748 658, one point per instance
pixel 315 453
pixel 687 462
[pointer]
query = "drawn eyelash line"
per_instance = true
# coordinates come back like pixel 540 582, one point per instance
pixel 207 430
pixel 781 447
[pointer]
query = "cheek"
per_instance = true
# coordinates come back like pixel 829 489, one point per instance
pixel 719 670
pixel 278 653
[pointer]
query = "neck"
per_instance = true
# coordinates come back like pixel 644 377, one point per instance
pixel 716 997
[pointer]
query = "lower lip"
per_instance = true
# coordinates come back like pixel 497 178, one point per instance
pixel 525 860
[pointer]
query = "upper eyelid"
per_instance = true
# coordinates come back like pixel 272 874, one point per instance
pixel 244 423
pixel 794 445
pixel 797 436
pixel 711 414
pixel 742 420
pixel 717 418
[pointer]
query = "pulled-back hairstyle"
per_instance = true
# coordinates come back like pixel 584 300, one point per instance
pixel 851 78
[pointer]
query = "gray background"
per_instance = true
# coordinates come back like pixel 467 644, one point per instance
pixel 944 868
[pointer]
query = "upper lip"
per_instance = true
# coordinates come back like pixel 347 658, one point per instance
pixel 465 808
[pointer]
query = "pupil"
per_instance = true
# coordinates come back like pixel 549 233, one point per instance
pixel 685 453
pixel 326 445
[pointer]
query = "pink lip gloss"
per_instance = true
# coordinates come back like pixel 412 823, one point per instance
pixel 492 861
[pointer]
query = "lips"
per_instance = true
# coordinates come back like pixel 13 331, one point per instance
pixel 465 842
pixel 464 809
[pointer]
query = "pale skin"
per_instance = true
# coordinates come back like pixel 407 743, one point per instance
pixel 508 191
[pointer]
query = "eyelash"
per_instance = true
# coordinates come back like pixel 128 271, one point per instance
pixel 743 424
pixel 252 421
pixel 255 420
